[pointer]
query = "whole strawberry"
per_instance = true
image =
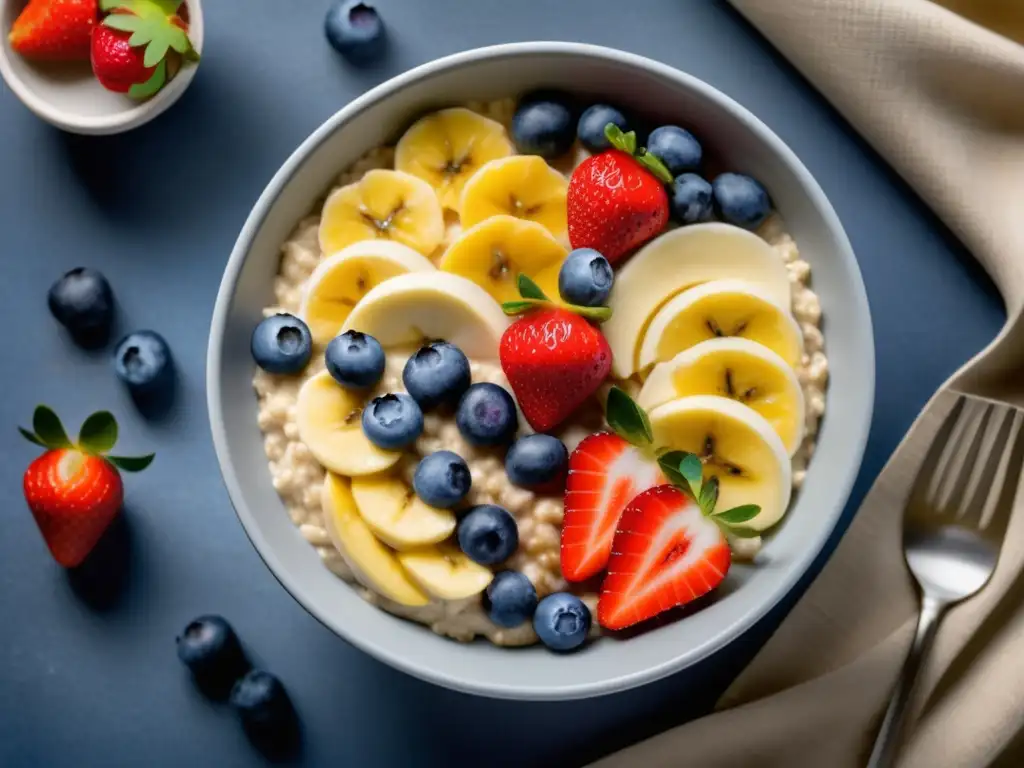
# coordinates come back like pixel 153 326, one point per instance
pixel 553 357
pixel 54 30
pixel 74 490
pixel 136 46
pixel 617 199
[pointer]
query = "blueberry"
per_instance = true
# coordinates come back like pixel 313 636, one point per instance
pixel 143 362
pixel 355 360
pixel 488 534
pixel 392 422
pixel 356 31
pixel 590 128
pixel 544 125
pixel 209 647
pixel 740 200
pixel 281 343
pixel 437 373
pixel 585 278
pixel 536 460
pixel 562 621
pixel 486 415
pixel 676 148
pixel 442 479
pixel 83 303
pixel 690 199
pixel 266 711
pixel 510 599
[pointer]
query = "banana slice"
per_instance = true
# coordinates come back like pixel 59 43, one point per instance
pixel 383 205
pixel 737 445
pixel 721 308
pixel 524 186
pixel 397 515
pixel 420 306
pixel 374 564
pixel 329 421
pixel 678 260
pixel 739 369
pixel 445 148
pixel 496 251
pixel 340 281
pixel 445 572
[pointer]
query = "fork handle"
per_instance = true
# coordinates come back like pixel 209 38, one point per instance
pixel 883 755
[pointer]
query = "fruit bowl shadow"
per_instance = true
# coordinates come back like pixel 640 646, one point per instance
pixel 659 93
pixel 66 95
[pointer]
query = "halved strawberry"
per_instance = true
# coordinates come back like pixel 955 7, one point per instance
pixel 605 473
pixel 666 553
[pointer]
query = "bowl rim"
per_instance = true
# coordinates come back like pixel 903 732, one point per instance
pixel 120 122
pixel 729 633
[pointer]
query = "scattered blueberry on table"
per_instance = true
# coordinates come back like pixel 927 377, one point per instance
pixel 676 148
pixel 143 362
pixel 740 200
pixel 591 125
pixel 82 301
pixel 544 125
pixel 488 534
pixel 437 373
pixel 281 344
pixel 356 31
pixel 266 711
pixel 355 360
pixel 209 647
pixel 562 621
pixel 486 415
pixel 392 421
pixel 442 479
pixel 585 278
pixel 690 199
pixel 510 599
pixel 536 461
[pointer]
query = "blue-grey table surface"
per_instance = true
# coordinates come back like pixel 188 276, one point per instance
pixel 88 674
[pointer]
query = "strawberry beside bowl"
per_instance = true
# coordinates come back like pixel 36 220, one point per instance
pixel 616 661
pixel 54 77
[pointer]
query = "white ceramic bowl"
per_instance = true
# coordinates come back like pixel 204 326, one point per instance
pixel 743 143
pixel 68 96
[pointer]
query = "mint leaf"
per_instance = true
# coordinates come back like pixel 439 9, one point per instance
pixel 597 314
pixel 627 419
pixel 740 514
pixel 31 437
pixel 741 532
pixel 669 463
pixel 521 306
pixel 98 433
pixel 151 86
pixel 653 164
pixel 131 463
pixel 709 496
pixel 693 472
pixel 48 428
pixel 623 141
pixel 529 289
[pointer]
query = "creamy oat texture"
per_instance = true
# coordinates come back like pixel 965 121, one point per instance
pixel 298 477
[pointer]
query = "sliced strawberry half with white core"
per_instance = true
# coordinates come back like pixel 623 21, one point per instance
pixel 666 553
pixel 605 473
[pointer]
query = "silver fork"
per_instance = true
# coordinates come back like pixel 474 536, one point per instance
pixel 953 527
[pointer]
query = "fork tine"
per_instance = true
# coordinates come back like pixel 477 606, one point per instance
pixel 929 467
pixel 1003 508
pixel 991 460
pixel 958 482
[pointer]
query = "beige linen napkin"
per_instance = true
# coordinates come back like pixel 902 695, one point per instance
pixel 938 91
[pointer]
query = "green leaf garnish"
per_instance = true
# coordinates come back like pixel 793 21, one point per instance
pixel 737 515
pixel 151 86
pixel 48 428
pixel 131 463
pixel 597 314
pixel 708 495
pixel 693 472
pixel 628 419
pixel 741 531
pixel 520 306
pixel 98 433
pixel 653 164
pixel 529 289
pixel 622 141
pixel 669 463
pixel 31 437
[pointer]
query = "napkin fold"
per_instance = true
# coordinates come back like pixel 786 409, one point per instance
pixel 938 90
